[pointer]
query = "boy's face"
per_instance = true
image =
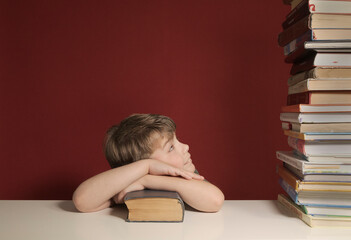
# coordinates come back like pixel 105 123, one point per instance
pixel 173 152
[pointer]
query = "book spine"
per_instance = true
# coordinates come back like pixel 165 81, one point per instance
pixel 289 190
pixel 301 76
pixel 295 210
pixel 298 55
pixel 293 31
pixel 289 160
pixel 294 134
pixel 304 65
pixel 297 43
pixel 299 87
pixel 297 144
pixel 300 11
pixel 286 125
pixel 299 98
pixel 288 177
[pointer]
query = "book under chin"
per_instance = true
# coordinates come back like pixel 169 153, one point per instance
pixel 154 206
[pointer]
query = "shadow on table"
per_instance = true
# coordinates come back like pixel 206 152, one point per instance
pixel 119 211
pixel 67 206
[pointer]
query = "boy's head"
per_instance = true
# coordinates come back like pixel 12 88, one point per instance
pixel 135 138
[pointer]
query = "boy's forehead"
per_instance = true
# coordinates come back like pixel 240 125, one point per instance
pixel 160 139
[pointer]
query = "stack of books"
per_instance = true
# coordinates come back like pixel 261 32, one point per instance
pixel 316 173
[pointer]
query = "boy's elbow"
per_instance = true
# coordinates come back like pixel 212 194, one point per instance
pixel 213 203
pixel 79 203
pixel 217 202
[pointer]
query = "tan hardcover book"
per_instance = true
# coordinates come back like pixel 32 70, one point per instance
pixel 320 73
pixel 323 27
pixel 320 97
pixel 321 127
pixel 320 85
pixel 154 206
pixel 319 136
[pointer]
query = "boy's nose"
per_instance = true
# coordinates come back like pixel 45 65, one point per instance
pixel 186 147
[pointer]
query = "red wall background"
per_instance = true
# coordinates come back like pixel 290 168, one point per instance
pixel 71 69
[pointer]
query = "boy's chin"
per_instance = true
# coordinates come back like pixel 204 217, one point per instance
pixel 190 167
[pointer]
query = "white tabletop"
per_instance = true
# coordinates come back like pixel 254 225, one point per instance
pixel 236 220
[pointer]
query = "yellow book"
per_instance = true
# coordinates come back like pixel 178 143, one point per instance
pixel 154 206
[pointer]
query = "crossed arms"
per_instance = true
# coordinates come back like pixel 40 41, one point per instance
pixel 96 193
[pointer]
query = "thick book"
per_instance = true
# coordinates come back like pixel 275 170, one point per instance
pixel 325 159
pixel 328 46
pixel 306 7
pixel 327 211
pixel 298 117
pixel 322 27
pixel 326 148
pixel 298 185
pixel 306 167
pixel 312 221
pixel 318 136
pixel 321 73
pixel 317 198
pixel 154 206
pixel 312 84
pixel 319 177
pixel 322 59
pixel 321 127
pixel 318 108
pixel 320 97
pixel 303 47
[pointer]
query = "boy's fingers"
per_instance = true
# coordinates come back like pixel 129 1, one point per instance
pixel 199 177
pixel 190 175
pixel 185 175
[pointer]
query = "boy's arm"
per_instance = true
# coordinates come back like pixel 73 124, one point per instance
pixel 95 193
pixel 200 195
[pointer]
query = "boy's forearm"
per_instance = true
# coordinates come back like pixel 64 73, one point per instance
pixel 95 193
pixel 199 194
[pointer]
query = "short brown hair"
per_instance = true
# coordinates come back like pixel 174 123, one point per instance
pixel 132 139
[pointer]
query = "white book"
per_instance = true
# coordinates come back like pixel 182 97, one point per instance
pixel 320 198
pixel 318 136
pixel 329 211
pixel 326 148
pixel 329 46
pixel 306 167
pixel 315 117
pixel 326 6
pixel 319 177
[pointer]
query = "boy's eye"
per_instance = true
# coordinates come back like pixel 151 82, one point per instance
pixel 171 148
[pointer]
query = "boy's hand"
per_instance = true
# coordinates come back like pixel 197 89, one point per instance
pixel 160 168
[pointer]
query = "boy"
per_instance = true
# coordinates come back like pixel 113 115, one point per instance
pixel 144 152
